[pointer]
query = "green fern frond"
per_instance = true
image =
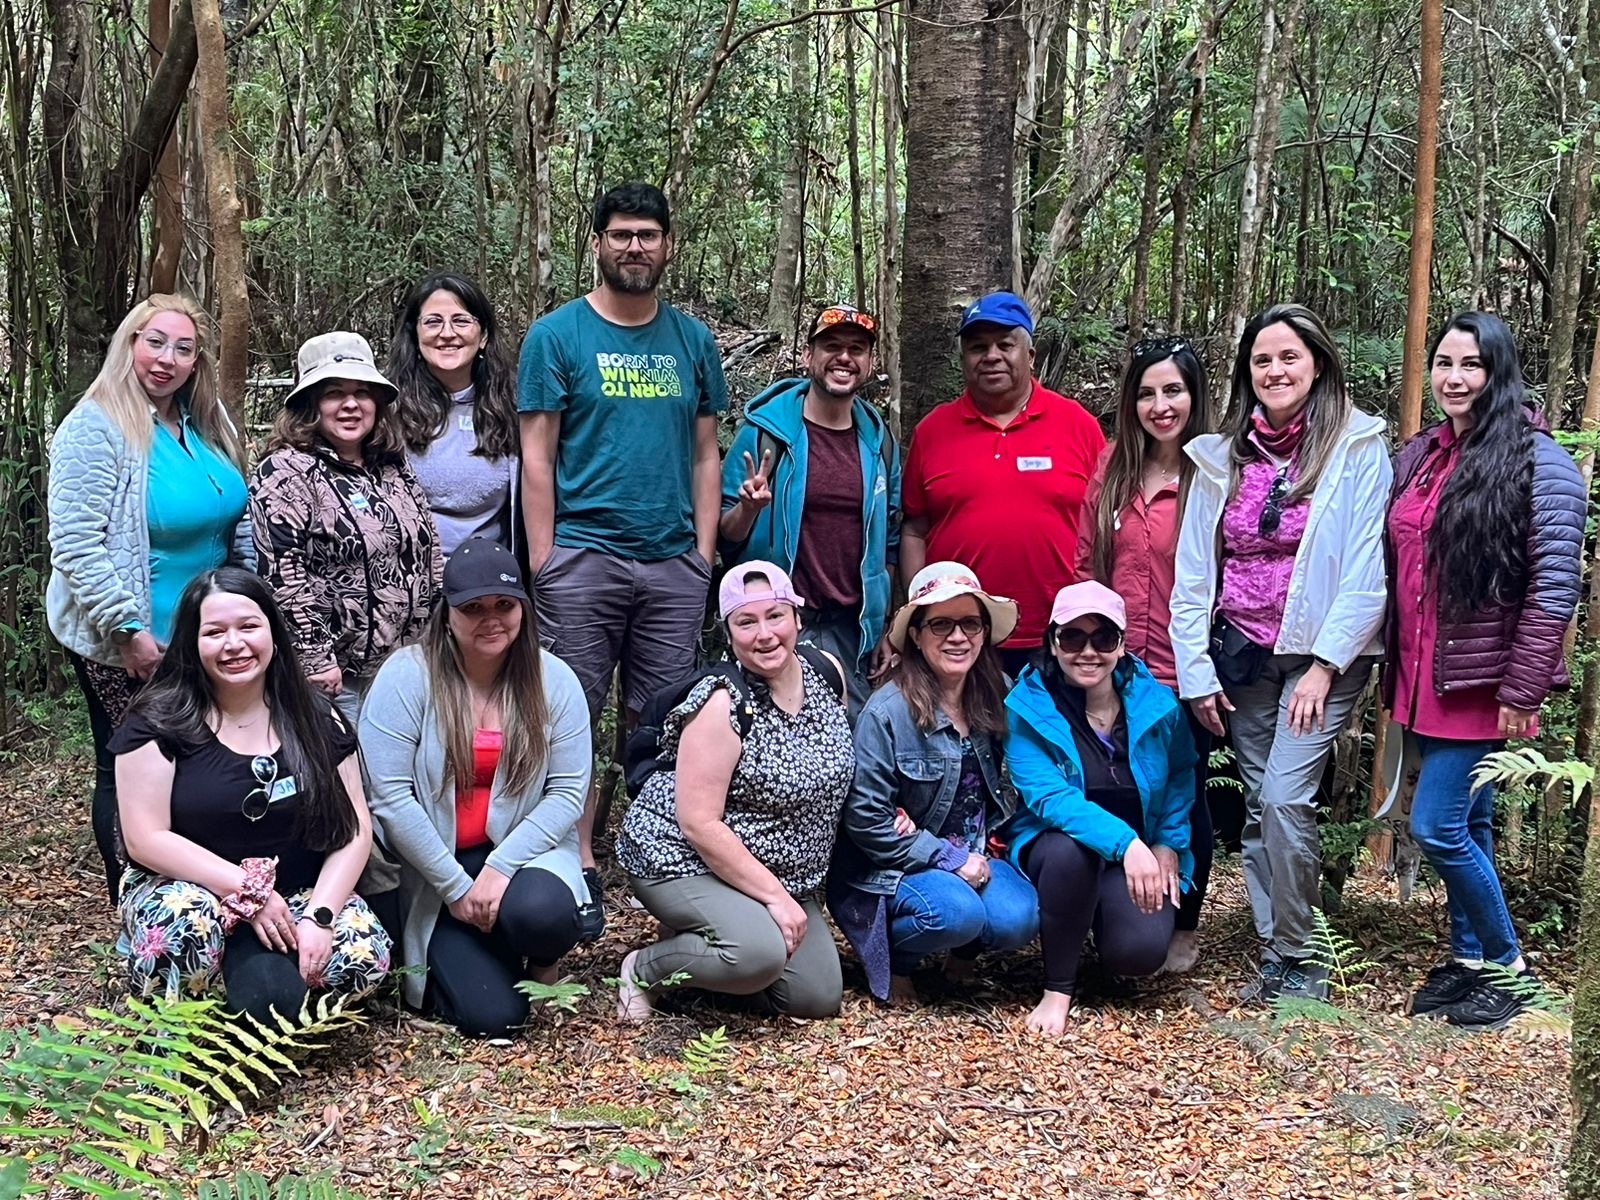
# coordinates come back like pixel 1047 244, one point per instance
pixel 563 997
pixel 1526 988
pixel 1528 768
pixel 251 1185
pixel 120 1085
pixel 1337 955
pixel 707 1053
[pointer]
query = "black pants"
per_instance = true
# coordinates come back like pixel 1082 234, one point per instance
pixel 1202 836
pixel 472 975
pixel 258 979
pixel 103 802
pixel 1080 891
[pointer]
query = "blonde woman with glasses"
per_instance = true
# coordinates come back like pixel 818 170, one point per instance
pixel 146 493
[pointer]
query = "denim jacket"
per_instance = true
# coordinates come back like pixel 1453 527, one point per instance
pixel 900 766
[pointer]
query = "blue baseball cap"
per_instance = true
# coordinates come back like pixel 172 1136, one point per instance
pixel 998 308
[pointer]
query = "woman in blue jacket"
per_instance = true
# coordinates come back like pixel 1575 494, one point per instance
pixel 1105 763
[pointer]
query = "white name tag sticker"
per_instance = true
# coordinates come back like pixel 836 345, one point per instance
pixel 464 422
pixel 1040 463
pixel 357 500
pixel 283 789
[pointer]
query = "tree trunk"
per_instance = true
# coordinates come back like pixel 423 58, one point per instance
pixel 678 167
pixel 1184 189
pixel 1583 1159
pixel 1038 31
pixel 961 81
pixel 1574 186
pixel 889 249
pixel 858 254
pixel 96 227
pixel 222 202
pixel 545 66
pixel 1100 156
pixel 1413 369
pixel 166 225
pixel 1271 76
pixel 1155 141
pixel 785 281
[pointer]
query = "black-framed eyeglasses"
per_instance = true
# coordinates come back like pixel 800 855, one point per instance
pixel 256 801
pixel 1104 638
pixel 621 239
pixel 1272 512
pixel 943 627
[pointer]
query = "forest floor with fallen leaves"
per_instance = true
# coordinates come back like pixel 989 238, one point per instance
pixel 1175 1092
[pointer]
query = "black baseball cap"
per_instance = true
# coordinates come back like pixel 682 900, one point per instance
pixel 481 566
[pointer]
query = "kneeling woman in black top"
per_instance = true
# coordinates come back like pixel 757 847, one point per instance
pixel 242 811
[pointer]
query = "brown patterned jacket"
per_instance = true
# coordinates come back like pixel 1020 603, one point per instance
pixel 350 553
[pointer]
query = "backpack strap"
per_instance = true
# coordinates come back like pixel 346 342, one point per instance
pixel 739 692
pixel 825 667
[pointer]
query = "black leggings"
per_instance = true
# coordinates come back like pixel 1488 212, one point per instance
pixel 1079 891
pixel 258 979
pixel 472 975
pixel 103 803
pixel 1202 834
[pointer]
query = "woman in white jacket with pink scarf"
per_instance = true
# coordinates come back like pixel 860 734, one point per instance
pixel 1278 605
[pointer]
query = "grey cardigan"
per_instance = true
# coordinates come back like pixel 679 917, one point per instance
pixel 414 806
pixel 100 535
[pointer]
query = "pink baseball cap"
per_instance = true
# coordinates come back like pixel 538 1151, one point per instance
pixel 1081 599
pixel 736 592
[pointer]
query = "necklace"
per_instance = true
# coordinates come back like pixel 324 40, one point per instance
pixel 1102 721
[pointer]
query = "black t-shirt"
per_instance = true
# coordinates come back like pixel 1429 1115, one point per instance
pixel 1107 772
pixel 209 785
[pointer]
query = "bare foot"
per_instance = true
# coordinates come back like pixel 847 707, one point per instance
pixel 902 992
pixel 1051 1014
pixel 633 1002
pixel 546 975
pixel 1183 951
pixel 960 970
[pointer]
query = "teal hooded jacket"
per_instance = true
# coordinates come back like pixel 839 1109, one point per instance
pixel 1045 767
pixel 775 536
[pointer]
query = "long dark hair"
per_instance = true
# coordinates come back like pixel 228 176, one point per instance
pixel 524 710
pixel 983 692
pixel 423 404
pixel 1125 466
pixel 298 426
pixel 1477 548
pixel 1327 409
pixel 179 703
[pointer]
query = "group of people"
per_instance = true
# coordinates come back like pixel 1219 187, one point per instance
pixel 349 701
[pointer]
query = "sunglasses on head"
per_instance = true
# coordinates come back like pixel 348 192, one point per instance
pixel 1146 347
pixel 256 801
pixel 1272 512
pixel 1104 638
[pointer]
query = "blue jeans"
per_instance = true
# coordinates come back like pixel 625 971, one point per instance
pixel 936 910
pixel 1453 825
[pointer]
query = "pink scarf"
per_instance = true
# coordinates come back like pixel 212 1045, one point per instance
pixel 1281 443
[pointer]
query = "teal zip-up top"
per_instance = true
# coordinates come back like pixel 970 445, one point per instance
pixel 775 536
pixel 1044 762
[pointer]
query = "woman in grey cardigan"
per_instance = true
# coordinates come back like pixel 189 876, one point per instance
pixel 146 493
pixel 477 748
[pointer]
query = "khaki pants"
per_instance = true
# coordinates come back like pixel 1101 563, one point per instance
pixel 1281 773
pixel 728 942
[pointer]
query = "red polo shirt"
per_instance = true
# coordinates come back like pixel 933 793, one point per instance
pixel 1005 501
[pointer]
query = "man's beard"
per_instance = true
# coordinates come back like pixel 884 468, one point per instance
pixel 634 278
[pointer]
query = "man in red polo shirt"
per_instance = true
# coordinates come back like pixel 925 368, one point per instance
pixel 995 477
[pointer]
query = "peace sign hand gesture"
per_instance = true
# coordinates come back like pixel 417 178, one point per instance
pixel 755 492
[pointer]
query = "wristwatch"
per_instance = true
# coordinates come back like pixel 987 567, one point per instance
pixel 1322 662
pixel 123 636
pixel 323 916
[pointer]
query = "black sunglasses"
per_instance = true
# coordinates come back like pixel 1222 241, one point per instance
pixel 1161 345
pixel 256 801
pixel 1105 639
pixel 943 627
pixel 1272 513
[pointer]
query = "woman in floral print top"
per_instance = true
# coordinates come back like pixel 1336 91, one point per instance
pixel 729 847
pixel 343 532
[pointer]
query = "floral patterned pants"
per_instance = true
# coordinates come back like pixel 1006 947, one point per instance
pixel 172 938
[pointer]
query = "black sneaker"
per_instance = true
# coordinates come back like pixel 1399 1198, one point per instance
pixel 1487 1006
pixel 1304 979
pixel 1445 984
pixel 1262 989
pixel 592 916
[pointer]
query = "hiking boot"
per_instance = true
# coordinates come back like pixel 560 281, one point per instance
pixel 1305 980
pixel 1487 1006
pixel 1445 984
pixel 592 916
pixel 1262 989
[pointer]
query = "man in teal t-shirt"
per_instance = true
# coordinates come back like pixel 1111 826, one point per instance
pixel 619 393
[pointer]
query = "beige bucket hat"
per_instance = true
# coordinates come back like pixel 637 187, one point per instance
pixel 338 355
